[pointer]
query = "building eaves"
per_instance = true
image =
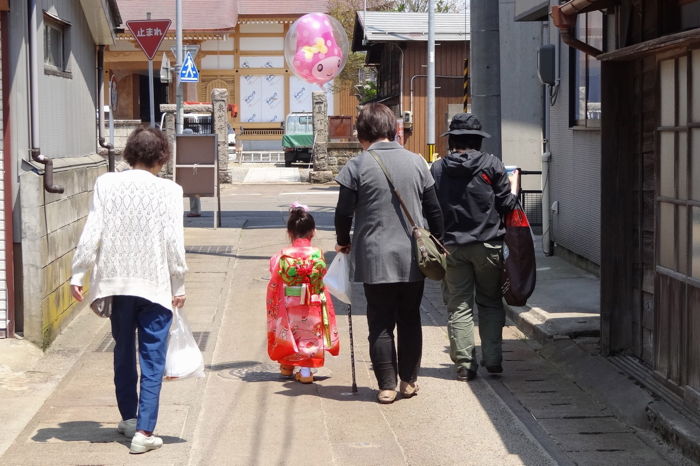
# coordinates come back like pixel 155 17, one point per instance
pixel 381 26
pixel 197 15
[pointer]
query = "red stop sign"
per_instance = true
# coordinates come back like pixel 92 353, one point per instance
pixel 149 33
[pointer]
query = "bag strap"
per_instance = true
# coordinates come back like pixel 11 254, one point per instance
pixel 393 188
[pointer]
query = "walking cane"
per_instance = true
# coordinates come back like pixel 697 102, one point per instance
pixel 352 349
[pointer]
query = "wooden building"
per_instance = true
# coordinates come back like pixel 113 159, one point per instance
pixel 239 47
pixel 396 44
pixel 650 187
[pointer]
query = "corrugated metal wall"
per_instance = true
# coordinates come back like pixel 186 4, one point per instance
pixel 574 175
pixel 345 100
pixel 72 97
pixel 449 61
pixel 3 281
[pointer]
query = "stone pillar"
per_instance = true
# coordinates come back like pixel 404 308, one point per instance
pixel 169 128
pixel 219 100
pixel 321 172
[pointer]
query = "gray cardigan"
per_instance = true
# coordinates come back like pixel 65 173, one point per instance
pixel 381 245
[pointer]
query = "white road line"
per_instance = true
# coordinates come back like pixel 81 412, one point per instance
pixel 334 193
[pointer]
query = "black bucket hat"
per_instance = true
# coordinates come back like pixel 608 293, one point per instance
pixel 466 123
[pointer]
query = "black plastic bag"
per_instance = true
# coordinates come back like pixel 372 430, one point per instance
pixel 519 268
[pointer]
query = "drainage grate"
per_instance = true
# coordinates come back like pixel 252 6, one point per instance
pixel 107 343
pixel 210 250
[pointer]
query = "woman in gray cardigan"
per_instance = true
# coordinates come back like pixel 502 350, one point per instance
pixel 381 245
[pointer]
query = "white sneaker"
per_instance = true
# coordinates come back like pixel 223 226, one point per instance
pixel 141 444
pixel 127 427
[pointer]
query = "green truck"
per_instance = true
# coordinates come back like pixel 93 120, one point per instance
pixel 298 139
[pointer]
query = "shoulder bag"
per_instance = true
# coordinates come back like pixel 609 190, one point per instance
pixel 430 253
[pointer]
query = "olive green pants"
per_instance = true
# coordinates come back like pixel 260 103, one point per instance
pixel 474 273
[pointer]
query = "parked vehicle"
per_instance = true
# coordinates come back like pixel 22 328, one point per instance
pixel 298 139
pixel 231 137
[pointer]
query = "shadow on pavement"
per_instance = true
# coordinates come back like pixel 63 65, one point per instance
pixel 330 392
pixel 88 431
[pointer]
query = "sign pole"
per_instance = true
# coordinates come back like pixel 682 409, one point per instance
pixel 150 85
pixel 149 35
pixel 179 119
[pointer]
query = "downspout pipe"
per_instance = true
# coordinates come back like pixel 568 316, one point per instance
pixel 35 151
pixel 564 18
pixel 101 106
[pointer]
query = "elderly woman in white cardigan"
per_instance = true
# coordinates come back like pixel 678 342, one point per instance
pixel 133 244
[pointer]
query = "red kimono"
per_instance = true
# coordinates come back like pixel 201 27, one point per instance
pixel 300 317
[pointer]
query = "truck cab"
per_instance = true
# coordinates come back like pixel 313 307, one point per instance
pixel 298 139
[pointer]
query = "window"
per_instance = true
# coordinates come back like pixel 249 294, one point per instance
pixel 678 192
pixel 585 72
pixel 56 45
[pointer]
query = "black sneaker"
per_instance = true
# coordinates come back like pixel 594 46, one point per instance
pixel 494 369
pixel 465 374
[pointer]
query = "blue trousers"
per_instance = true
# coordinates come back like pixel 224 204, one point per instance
pixel 129 314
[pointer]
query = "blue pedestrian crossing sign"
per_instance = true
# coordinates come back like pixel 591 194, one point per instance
pixel 189 72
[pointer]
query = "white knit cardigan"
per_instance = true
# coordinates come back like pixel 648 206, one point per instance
pixel 133 239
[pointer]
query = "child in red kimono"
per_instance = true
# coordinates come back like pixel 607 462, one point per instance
pixel 300 317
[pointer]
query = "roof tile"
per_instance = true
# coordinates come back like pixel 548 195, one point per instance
pixel 281 7
pixel 206 15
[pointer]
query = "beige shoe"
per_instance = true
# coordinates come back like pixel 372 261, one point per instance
pixel 300 378
pixel 408 389
pixel 286 371
pixel 386 397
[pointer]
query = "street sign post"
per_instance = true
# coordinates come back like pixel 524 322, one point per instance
pixel 189 72
pixel 149 34
pixel 165 69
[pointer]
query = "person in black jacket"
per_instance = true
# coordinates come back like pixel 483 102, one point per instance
pixel 474 192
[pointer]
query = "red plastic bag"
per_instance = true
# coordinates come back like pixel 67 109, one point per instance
pixel 519 268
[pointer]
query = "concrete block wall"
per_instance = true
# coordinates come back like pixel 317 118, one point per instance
pixel 51 228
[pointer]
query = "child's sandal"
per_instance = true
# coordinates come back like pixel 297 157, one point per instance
pixel 300 378
pixel 286 371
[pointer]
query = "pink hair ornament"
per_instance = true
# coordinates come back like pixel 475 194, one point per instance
pixel 298 205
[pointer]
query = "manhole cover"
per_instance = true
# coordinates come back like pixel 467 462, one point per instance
pixel 265 372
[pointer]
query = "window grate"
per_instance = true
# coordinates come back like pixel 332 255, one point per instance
pixel 107 343
pixel 210 250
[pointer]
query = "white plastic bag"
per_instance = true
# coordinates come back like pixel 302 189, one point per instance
pixel 337 279
pixel 184 359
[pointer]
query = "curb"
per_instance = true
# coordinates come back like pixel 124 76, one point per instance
pixel 620 391
pixel 540 326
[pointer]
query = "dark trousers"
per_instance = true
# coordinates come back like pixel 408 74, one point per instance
pixel 130 313
pixel 389 306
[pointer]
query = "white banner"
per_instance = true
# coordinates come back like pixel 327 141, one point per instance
pixel 300 98
pixel 262 98
pixel 272 101
pixel 250 98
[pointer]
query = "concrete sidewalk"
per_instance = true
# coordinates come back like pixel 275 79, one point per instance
pixel 565 303
pixel 563 315
pixel 64 412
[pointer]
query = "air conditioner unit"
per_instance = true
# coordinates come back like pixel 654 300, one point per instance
pixel 408 119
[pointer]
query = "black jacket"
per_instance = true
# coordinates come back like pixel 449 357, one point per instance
pixel 474 193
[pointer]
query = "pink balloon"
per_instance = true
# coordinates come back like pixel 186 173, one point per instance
pixel 318 58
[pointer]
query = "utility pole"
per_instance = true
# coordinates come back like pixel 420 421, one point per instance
pixel 486 71
pixel 430 86
pixel 178 66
